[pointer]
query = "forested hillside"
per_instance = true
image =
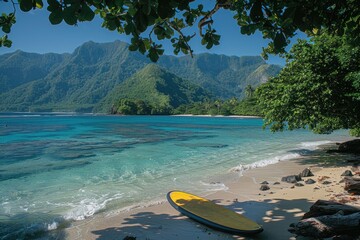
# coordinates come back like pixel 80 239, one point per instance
pixel 82 80
pixel 156 90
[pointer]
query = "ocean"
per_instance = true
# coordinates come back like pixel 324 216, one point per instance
pixel 56 168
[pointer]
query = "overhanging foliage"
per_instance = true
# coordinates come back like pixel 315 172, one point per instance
pixel 318 88
pixel 151 21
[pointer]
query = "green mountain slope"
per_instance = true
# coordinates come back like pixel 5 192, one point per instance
pixel 225 76
pixel 79 81
pixel 259 76
pixel 156 87
pixel 20 67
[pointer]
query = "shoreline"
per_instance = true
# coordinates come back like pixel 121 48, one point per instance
pixel 274 209
pixel 215 116
pixel 106 114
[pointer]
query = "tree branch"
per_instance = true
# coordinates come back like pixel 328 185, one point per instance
pixel 14 7
pixel 182 36
pixel 204 21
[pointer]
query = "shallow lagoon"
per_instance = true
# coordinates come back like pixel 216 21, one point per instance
pixel 56 168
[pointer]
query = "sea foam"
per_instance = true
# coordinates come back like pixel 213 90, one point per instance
pixel 313 145
pixel 302 148
pixel 265 162
pixel 215 186
pixel 88 207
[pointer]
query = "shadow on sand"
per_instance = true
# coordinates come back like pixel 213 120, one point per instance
pixel 274 215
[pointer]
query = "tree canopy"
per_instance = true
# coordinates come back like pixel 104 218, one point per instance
pixel 151 21
pixel 319 88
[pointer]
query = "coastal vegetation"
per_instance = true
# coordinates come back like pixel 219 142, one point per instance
pixel 155 91
pixel 233 106
pixel 319 88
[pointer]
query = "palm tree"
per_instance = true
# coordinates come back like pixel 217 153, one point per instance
pixel 233 101
pixel 218 104
pixel 249 91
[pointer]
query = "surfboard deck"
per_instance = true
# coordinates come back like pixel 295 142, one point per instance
pixel 213 215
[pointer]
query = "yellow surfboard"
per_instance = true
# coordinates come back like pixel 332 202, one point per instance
pixel 211 214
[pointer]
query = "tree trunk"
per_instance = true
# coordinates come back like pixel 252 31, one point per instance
pixel 327 226
pixel 323 207
pixel 352 185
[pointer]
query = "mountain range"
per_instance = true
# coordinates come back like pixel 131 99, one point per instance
pixel 96 75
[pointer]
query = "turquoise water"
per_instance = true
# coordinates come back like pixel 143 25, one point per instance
pixel 56 168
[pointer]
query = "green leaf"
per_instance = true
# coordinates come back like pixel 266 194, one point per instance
pixel 111 24
pixel 189 18
pixel 209 45
pixel 53 2
pixel 103 14
pixel 72 2
pixel 4 41
pixel 132 10
pixel 152 17
pixel 146 7
pixel 160 51
pixel 86 13
pixel 245 30
pixel 118 3
pixel 164 9
pixel 39 4
pixel 133 47
pixel 56 17
pixel 129 28
pixel 26 5
pixel 69 15
pixel 141 21
pixel 147 43
pixel 216 37
pixel 289 13
pixel 6 29
pixel 169 32
pixel 298 19
pixel 53 5
pixel 279 41
pixel 159 30
pixel 153 55
pixel 256 13
pixel 7 43
pixel 142 47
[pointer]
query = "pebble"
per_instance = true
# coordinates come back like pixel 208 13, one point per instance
pixel 310 181
pixel 264 187
pixel 347 173
pixel 306 173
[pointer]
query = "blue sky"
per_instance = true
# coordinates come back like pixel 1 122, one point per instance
pixel 34 33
